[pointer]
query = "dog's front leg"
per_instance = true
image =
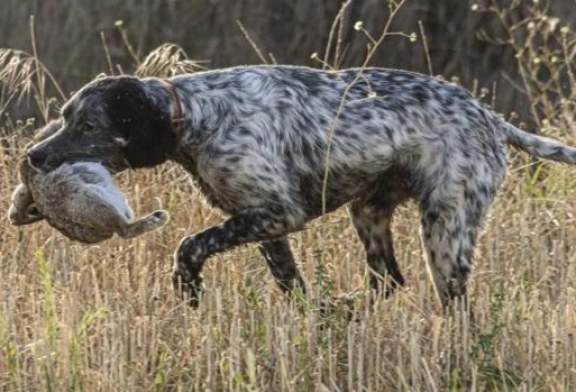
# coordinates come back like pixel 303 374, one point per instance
pixel 250 225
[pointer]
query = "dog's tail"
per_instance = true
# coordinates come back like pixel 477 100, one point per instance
pixel 539 146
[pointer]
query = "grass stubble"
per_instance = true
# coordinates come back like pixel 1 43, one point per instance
pixel 103 317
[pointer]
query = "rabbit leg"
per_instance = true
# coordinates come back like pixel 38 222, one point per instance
pixel 150 222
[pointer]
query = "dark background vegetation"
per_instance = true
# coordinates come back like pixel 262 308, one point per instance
pixel 69 36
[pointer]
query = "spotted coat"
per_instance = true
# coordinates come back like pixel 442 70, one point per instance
pixel 276 146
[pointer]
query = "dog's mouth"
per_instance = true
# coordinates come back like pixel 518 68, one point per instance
pixel 114 164
pixel 40 169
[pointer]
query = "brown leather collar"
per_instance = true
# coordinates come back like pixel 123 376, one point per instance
pixel 178 119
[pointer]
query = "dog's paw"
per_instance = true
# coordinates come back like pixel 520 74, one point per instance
pixel 187 287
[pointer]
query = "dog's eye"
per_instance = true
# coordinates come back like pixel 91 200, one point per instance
pixel 91 128
pixel 67 112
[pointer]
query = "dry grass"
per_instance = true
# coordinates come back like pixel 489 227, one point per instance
pixel 102 318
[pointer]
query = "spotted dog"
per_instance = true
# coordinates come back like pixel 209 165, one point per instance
pixel 276 146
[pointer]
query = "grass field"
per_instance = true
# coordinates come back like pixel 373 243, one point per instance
pixel 103 318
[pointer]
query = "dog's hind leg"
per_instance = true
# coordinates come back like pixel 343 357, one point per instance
pixel 140 226
pixel 452 217
pixel 372 223
pixel 372 218
pixel 280 260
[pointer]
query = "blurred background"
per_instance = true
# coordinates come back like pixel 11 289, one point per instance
pixel 473 41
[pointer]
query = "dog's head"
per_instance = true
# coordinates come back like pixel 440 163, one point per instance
pixel 113 121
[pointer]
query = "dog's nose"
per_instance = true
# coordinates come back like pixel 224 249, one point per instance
pixel 36 158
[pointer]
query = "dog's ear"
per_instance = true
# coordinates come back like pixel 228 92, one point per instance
pixel 147 127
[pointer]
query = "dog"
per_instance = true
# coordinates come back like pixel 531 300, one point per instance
pixel 78 199
pixel 276 146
